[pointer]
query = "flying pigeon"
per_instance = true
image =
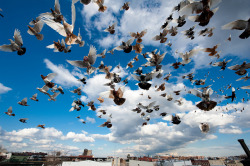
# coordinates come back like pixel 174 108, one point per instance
pixel 15 45
pixel 239 25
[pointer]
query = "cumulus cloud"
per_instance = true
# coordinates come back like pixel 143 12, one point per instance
pixel 45 139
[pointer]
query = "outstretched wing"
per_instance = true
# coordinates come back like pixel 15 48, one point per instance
pixel 18 37
pixel 80 64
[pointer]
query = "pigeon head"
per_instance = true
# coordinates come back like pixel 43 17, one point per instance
pixel 21 51
pixel 119 101
pixel 145 85
pixel 127 49
pixel 85 2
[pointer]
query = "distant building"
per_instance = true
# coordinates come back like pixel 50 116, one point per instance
pixel 87 152
pixel 216 162
pixel 200 162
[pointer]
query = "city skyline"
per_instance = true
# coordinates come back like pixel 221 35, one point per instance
pixel 20 77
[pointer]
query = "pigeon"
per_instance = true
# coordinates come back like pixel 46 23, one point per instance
pixel 163 114
pixel 125 6
pixel 189 76
pixel 100 99
pixel 1 13
pixel 55 15
pixel 91 105
pixel 169 44
pixel 36 29
pixel 137 110
pixel 211 50
pixel 136 58
pixel 53 97
pixel 23 102
pixel 42 126
pixel 176 119
pixel 103 112
pixel 107 124
pixel 173 31
pixel 181 5
pixel 162 36
pixel 138 71
pixel 81 120
pixel 245 78
pixel 148 107
pixel 23 120
pixel 180 21
pixel 55 88
pixel 85 2
pixel 9 112
pixel 161 87
pixel 75 106
pixel 207 32
pixel 167 21
pixel 199 82
pixel 189 33
pixel 83 80
pixel 44 90
pixel 154 59
pixel 167 76
pixel 196 7
pixel 130 64
pixel 117 96
pixel 87 61
pixel 100 3
pixel 233 96
pixel 126 46
pixel 65 29
pixel 240 69
pixel 179 102
pixel 169 97
pixel 204 17
pixel 144 78
pixel 138 35
pixel 186 58
pixel 176 65
pixel 204 127
pixel 59 47
pixel 239 25
pixel 34 97
pixel 78 91
pixel 223 64
pixel 79 40
pixel 15 45
pixel 206 104
pixel 47 79
pixel 138 48
pixel 111 29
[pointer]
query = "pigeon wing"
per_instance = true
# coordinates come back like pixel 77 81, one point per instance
pixel 79 64
pixel 238 24
pixel 18 37
pixel 92 55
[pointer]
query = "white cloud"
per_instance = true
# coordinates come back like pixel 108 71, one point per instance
pixel 64 76
pixel 4 89
pixel 78 137
pixel 91 120
pixel 231 130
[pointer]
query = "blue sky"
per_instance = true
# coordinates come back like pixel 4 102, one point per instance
pixel 20 76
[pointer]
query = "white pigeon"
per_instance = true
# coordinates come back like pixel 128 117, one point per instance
pixel 53 97
pixel 15 45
